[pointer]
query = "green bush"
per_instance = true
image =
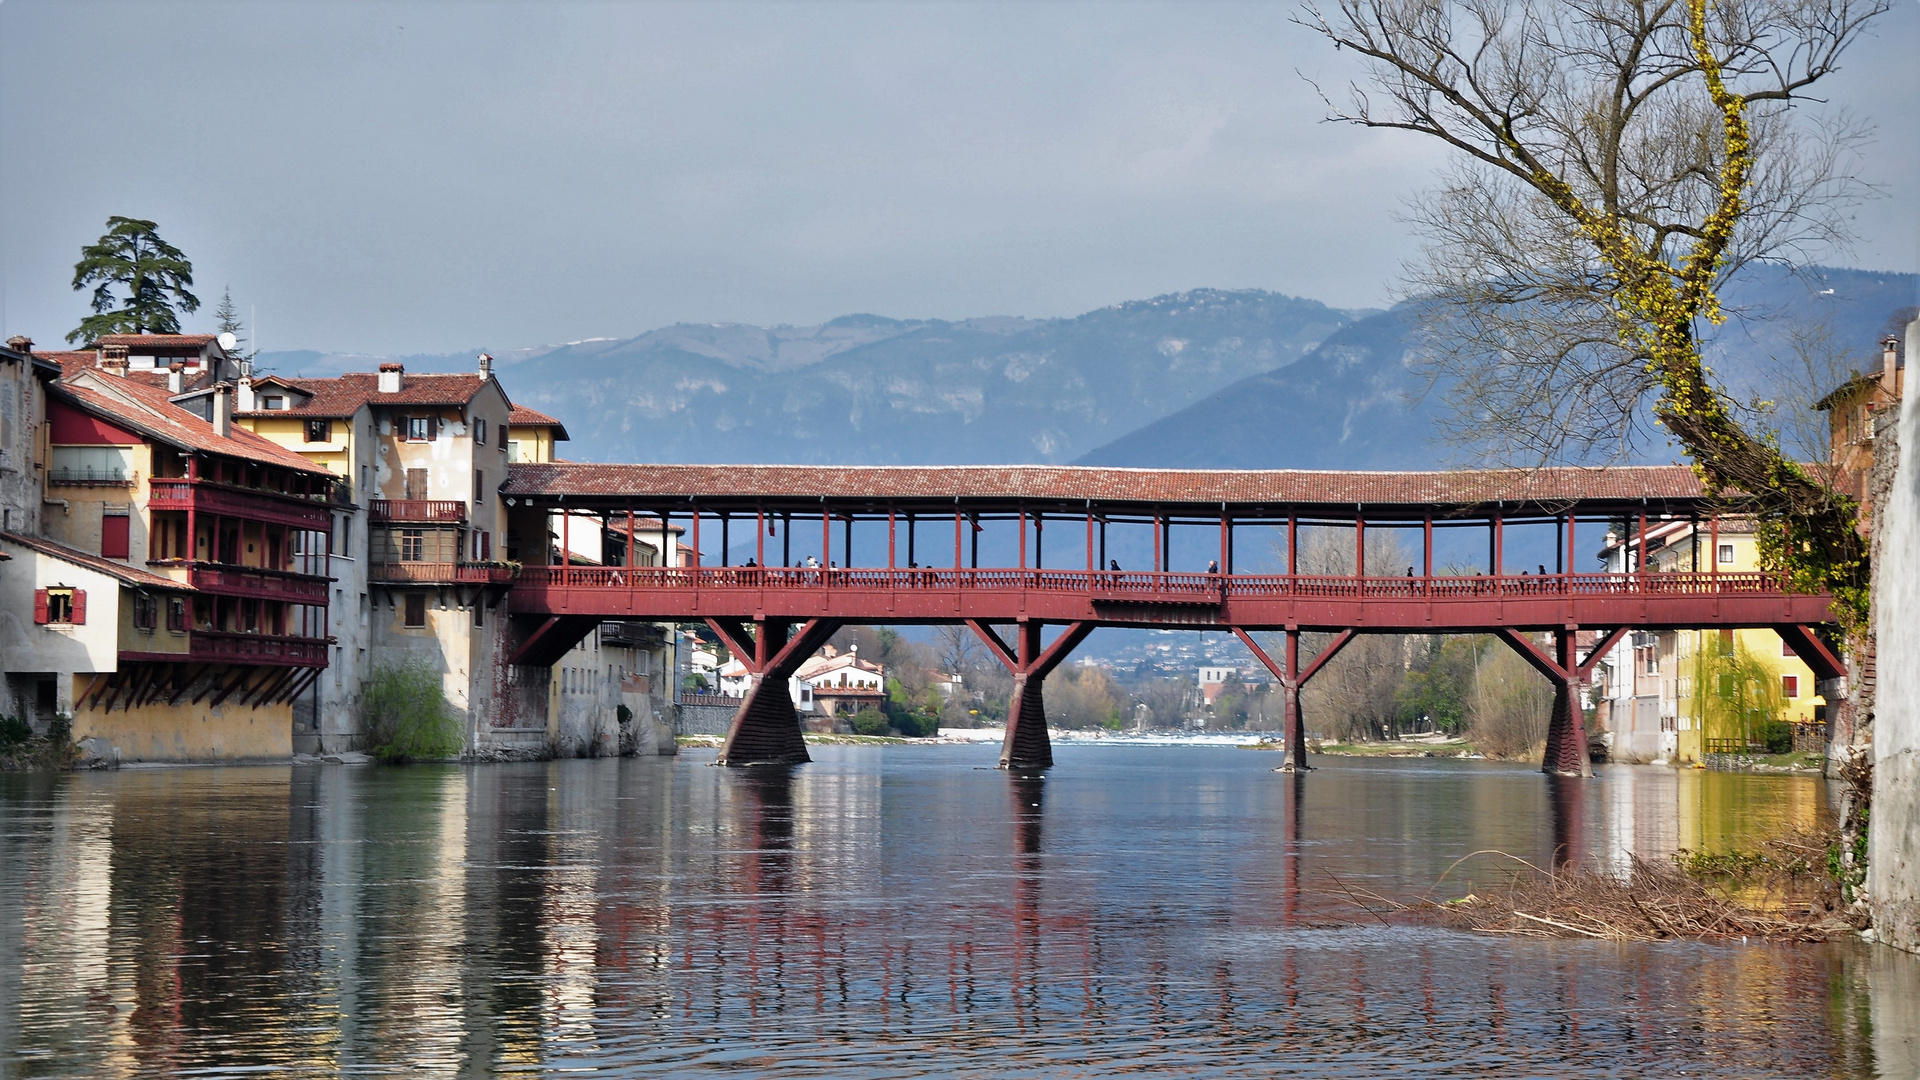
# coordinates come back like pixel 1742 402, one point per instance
pixel 871 721
pixel 408 718
pixel 60 729
pixel 1778 735
pixel 14 731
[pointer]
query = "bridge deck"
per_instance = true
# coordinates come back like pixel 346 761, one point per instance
pixel 1145 598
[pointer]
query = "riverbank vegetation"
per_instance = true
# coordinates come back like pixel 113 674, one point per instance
pixel 1786 891
pixel 23 751
pixel 407 715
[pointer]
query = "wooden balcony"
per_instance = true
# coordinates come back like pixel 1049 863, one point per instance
pixel 250 504
pixel 227 647
pixel 253 582
pixel 442 573
pixel 422 511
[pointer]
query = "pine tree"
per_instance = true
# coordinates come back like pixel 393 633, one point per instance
pixel 227 321
pixel 155 273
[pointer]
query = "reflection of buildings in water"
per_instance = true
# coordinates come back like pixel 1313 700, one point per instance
pixel 577 793
pixel 59 936
pixel 1727 811
pixel 508 850
pixel 397 854
pixel 634 916
pixel 1634 805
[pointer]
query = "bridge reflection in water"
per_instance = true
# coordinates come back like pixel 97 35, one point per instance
pixel 882 912
pixel 773 617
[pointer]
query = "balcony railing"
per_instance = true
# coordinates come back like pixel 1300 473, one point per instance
pixel 72 476
pixel 1152 587
pixel 252 581
pixel 258 648
pixel 442 573
pixel 421 510
pixel 181 493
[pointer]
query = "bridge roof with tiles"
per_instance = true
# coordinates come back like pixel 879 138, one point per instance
pixel 1669 487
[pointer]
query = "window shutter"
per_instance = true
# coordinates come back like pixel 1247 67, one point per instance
pixel 79 607
pixel 115 542
pixel 40 606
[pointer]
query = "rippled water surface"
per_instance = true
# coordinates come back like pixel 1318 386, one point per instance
pixel 883 912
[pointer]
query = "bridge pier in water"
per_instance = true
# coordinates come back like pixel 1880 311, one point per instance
pixel 1567 730
pixel 1027 745
pixel 766 729
pixel 1292 679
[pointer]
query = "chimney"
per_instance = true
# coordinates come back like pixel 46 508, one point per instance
pixel 21 344
pixel 114 359
pixel 392 378
pixel 1890 365
pixel 176 377
pixel 222 413
pixel 486 365
pixel 244 401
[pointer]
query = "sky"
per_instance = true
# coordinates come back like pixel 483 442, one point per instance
pixel 393 179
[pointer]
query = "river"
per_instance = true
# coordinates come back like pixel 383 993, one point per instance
pixel 884 912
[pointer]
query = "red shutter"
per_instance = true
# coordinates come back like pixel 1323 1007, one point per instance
pixel 486 547
pixel 40 606
pixel 79 607
pixel 114 543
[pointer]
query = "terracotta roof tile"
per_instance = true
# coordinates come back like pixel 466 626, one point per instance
pixel 344 394
pixel 159 341
pixel 129 575
pixel 521 416
pixel 1193 487
pixel 146 410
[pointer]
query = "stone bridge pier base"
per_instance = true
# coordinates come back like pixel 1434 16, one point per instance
pixel 1027 745
pixel 1567 731
pixel 766 729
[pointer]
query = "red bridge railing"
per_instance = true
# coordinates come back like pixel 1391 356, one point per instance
pixel 1135 586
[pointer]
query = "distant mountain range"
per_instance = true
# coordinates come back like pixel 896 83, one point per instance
pixel 1201 379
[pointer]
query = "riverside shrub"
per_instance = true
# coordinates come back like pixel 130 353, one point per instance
pixel 407 715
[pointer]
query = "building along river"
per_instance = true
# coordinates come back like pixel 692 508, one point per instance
pixel 885 911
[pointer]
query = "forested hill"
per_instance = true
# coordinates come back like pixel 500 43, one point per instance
pixel 1202 379
pixel 1358 401
pixel 863 389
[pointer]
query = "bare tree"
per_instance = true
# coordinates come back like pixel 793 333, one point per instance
pixel 1615 161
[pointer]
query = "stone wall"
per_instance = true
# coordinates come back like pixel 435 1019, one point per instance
pixel 1893 852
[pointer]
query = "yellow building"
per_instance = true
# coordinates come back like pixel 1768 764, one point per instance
pixel 531 436
pixel 1737 661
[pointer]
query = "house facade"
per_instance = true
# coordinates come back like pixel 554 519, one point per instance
pixel 1677 695
pixel 172 599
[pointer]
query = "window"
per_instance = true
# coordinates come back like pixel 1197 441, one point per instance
pixel 114 542
pixel 60 606
pixel 1726 553
pixel 1789 686
pixel 1786 649
pixel 480 430
pixel 416 613
pixel 513 450
pixel 146 611
pixel 479 486
pixel 416 484
pixel 1726 643
pixel 275 401
pixel 486 546
pixel 91 465
pixel 413 545
pixel 479 613
pixel 420 428
pixel 319 431
pixel 177 614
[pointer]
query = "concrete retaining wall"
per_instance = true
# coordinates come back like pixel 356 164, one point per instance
pixel 1893 845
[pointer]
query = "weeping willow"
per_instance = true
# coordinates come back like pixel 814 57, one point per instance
pixel 1736 693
